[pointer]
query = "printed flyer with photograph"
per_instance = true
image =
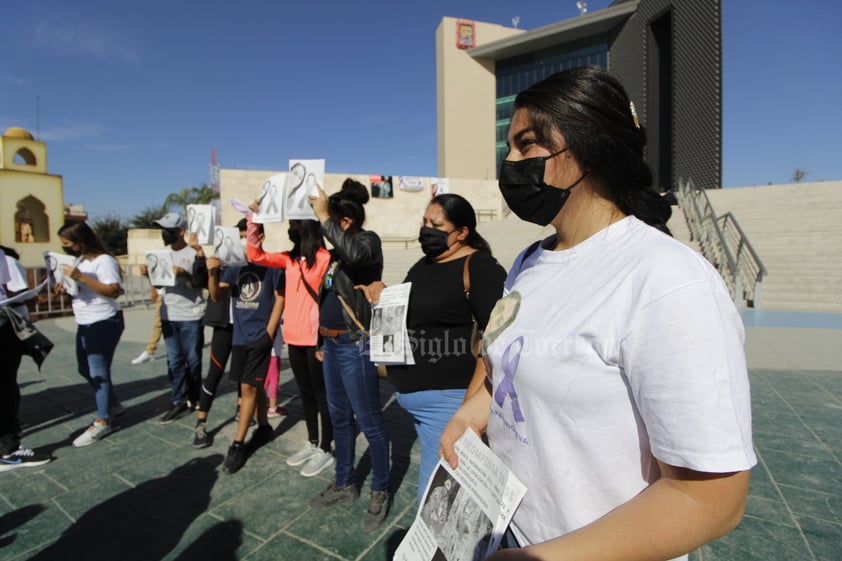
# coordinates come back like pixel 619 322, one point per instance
pixel 464 512
pixel 389 337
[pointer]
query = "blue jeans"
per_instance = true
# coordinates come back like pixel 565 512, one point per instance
pixel 95 345
pixel 353 390
pixel 431 410
pixel 184 341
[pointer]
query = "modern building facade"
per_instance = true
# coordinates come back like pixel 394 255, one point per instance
pixel 667 54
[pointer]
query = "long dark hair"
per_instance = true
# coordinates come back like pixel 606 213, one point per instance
pixel 78 232
pixel 309 243
pixel 458 210
pixel 348 202
pixel 590 108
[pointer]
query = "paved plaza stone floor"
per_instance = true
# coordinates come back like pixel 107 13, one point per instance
pixel 144 493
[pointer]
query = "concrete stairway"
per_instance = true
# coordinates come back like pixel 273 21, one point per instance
pixel 797 231
pixel 678 226
pixel 507 238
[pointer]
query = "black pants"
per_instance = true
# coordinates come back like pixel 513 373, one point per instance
pixel 307 370
pixel 220 351
pixel 9 391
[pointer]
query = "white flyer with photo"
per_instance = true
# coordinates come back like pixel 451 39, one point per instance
pixel 389 338
pixel 56 276
pixel 200 221
pixel 303 180
pixel 464 512
pixel 160 269
pixel 228 247
pixel 271 200
pixel 439 186
pixel 410 183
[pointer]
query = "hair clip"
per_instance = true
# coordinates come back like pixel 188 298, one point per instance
pixel 634 114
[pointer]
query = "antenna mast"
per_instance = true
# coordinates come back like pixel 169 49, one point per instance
pixel 214 171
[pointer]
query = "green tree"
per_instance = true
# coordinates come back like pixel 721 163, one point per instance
pixel 202 195
pixel 146 217
pixel 112 231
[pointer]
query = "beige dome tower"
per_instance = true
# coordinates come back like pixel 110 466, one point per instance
pixel 31 200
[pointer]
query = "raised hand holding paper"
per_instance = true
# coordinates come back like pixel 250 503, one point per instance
pixel 227 246
pixel 159 264
pixel 271 200
pixel 303 180
pixel 200 221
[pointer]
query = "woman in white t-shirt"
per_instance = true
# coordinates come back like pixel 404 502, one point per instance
pixel 99 318
pixel 619 390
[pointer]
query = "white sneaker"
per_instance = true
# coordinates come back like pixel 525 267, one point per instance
pixel 303 455
pixel 318 463
pixel 97 430
pixel 143 357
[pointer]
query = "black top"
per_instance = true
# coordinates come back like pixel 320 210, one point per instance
pixel 330 310
pixel 440 320
pixel 357 259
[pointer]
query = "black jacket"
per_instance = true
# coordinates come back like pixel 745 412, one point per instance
pixel 360 261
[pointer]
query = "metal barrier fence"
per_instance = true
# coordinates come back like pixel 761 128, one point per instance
pixel 136 292
pixel 724 244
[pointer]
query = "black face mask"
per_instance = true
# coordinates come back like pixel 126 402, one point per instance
pixel 294 236
pixel 68 249
pixel 433 242
pixel 522 186
pixel 169 237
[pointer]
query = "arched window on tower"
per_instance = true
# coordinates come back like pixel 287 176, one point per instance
pixel 24 156
pixel 32 225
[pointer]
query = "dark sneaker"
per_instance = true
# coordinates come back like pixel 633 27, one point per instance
pixel 235 459
pixel 23 458
pixel 262 435
pixel 378 508
pixel 201 438
pixel 334 495
pixel 174 413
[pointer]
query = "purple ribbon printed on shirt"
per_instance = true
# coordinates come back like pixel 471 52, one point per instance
pixel 506 388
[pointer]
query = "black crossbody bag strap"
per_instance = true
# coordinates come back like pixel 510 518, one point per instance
pixel 309 288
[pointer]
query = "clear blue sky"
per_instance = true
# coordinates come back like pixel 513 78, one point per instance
pixel 133 96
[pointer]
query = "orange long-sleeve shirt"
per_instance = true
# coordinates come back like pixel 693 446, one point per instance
pixel 301 312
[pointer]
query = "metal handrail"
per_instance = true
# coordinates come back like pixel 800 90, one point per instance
pixel 405 241
pixel 748 261
pixel 724 244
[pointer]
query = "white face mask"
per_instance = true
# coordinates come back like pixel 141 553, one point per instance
pixel 244 243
